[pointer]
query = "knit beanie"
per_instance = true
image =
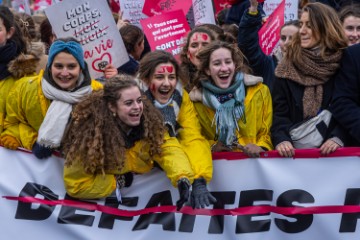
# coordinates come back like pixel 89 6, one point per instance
pixel 72 47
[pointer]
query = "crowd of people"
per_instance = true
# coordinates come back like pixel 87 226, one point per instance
pixel 224 94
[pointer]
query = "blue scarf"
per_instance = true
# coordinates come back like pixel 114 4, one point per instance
pixel 228 105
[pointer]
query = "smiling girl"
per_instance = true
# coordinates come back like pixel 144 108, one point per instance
pixel 234 108
pixel 161 79
pixel 38 109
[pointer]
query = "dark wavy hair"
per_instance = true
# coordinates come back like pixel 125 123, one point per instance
pixel 94 136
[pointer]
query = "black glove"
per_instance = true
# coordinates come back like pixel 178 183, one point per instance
pixel 200 195
pixel 184 192
pixel 40 151
pixel 124 180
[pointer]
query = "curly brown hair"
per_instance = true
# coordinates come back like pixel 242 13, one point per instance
pixel 94 136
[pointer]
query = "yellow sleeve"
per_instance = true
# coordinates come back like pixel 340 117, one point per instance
pixel 26 108
pixel 5 87
pixel 263 135
pixel 80 184
pixel 95 85
pixel 174 161
pixel 195 146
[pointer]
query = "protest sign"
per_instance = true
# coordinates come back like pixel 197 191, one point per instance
pixel 132 11
pixel 155 7
pixel 291 8
pixel 166 31
pixel 92 24
pixel 269 34
pixel 203 12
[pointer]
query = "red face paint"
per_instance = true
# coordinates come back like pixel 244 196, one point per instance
pixel 195 37
pixel 165 68
pixel 170 69
pixel 205 37
pixel 152 88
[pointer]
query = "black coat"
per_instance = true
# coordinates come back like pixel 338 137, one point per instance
pixel 346 103
pixel 288 109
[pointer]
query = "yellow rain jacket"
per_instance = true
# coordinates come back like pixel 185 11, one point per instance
pixel 173 161
pixel 192 141
pixel 258 113
pixel 26 108
pixel 22 65
pixel 5 87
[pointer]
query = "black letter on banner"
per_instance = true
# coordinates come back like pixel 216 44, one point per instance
pixel 25 211
pixel 244 224
pixel 303 221
pixel 108 220
pixel 349 220
pixel 67 214
pixel 216 222
pixel 165 219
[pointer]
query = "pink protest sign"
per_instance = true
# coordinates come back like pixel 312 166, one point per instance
pixel 166 31
pixel 155 7
pixel 269 34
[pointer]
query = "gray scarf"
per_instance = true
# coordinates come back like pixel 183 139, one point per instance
pixel 227 112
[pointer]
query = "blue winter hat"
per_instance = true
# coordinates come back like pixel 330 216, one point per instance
pixel 72 47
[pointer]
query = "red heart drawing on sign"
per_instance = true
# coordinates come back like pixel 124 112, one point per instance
pixel 99 63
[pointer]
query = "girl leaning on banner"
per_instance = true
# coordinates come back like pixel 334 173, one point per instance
pixel 162 80
pixel 304 82
pixel 121 132
pixel 233 107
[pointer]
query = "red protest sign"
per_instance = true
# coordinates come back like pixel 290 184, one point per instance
pixel 269 34
pixel 155 7
pixel 166 31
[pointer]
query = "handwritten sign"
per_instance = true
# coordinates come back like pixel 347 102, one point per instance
pixel 132 11
pixel 203 11
pixel 92 24
pixel 166 31
pixel 155 7
pixel 269 34
pixel 291 8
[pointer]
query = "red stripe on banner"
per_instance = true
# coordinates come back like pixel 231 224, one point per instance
pixel 188 210
pixel 299 153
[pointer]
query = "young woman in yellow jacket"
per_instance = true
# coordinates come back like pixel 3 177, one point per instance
pixel 11 45
pixel 234 108
pixel 39 108
pixel 116 131
pixel 160 78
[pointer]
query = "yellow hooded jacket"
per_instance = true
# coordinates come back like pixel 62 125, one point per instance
pixel 173 161
pixel 26 108
pixel 258 113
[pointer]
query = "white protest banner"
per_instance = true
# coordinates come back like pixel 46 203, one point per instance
pixel 203 12
pixel 132 11
pixel 92 24
pixel 308 197
pixel 291 8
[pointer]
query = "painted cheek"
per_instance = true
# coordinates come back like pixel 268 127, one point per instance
pixel 152 88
